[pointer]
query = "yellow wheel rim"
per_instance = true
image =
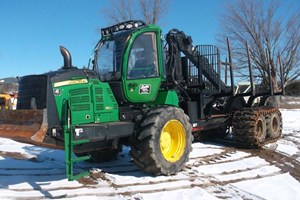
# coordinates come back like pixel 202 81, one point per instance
pixel 172 140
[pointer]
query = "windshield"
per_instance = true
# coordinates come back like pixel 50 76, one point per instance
pixel 106 60
pixel 108 57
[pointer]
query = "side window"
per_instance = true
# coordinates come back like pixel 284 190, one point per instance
pixel 107 62
pixel 142 62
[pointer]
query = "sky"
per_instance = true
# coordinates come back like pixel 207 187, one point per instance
pixel 31 31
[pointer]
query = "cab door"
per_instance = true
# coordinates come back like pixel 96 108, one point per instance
pixel 141 72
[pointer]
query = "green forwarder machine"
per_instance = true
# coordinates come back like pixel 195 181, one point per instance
pixel 140 92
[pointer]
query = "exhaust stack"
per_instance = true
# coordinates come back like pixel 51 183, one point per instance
pixel 67 57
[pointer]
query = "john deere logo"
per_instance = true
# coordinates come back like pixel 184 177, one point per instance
pixel 145 89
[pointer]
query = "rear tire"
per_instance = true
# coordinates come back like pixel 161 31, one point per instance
pixel 162 141
pixel 249 128
pixel 274 125
pixel 260 130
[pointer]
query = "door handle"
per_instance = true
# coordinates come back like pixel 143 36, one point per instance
pixel 132 86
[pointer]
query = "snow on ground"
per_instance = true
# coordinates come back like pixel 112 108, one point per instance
pixel 215 171
pixel 291 133
pixel 282 186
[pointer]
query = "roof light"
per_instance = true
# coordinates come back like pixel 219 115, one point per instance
pixel 129 26
pixel 122 26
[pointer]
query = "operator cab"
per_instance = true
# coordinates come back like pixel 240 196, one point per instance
pixel 127 57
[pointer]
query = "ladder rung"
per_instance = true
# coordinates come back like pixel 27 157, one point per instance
pixel 78 176
pixel 77 142
pixel 79 159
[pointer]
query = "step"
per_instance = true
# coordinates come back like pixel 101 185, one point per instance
pixel 78 176
pixel 77 142
pixel 79 159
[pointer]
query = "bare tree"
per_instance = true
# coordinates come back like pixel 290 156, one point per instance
pixel 151 11
pixel 268 35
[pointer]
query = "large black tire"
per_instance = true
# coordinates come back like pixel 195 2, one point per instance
pixel 162 141
pixel 249 128
pixel 274 125
pixel 103 155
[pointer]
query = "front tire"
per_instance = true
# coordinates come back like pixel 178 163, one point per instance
pixel 162 141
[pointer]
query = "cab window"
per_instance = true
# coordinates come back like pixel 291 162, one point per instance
pixel 143 62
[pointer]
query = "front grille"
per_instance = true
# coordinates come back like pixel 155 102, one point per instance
pixel 80 99
pixel 81 107
pixel 79 91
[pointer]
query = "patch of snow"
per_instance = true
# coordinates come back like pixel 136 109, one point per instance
pixel 280 187
pixel 287 147
pixel 187 194
pixel 246 163
pixel 253 173
pixel 202 152
pixel 291 119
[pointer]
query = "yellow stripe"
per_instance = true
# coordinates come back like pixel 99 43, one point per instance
pixel 70 82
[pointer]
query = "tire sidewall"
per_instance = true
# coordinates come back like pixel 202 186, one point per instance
pixel 160 124
pixel 270 120
pixel 148 133
pixel 261 137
